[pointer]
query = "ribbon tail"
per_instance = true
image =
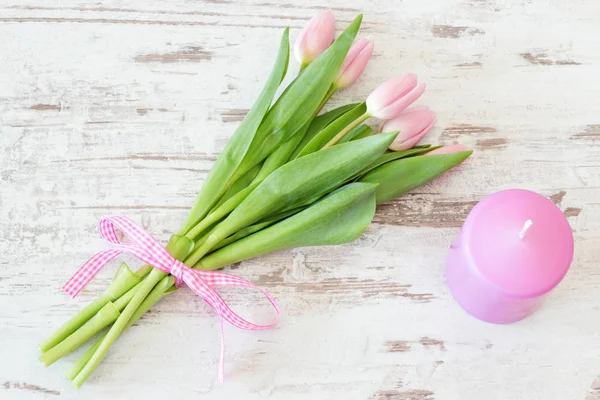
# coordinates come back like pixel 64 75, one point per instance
pixel 195 280
pixel 222 361
pixel 213 278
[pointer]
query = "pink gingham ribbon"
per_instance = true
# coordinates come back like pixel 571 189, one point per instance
pixel 147 249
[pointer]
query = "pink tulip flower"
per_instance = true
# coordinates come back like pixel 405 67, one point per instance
pixel 315 38
pixel 413 124
pixel 454 148
pixel 390 98
pixel 354 64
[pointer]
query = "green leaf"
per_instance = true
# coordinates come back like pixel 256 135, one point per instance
pixel 228 204
pixel 281 155
pixel 319 123
pixel 396 155
pixel 239 185
pixel 360 131
pixel 401 176
pixel 218 214
pixel 303 179
pixel 256 227
pixel 362 135
pixel 296 182
pixel 333 129
pixel 300 101
pixel 340 217
pixel 235 150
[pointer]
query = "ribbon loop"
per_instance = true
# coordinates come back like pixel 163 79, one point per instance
pixel 151 252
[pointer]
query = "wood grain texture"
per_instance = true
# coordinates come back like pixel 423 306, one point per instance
pixel 120 107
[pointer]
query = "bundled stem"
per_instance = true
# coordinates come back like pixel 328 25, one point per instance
pixel 164 287
pixel 179 247
pixel 103 318
pixel 286 178
pixel 123 282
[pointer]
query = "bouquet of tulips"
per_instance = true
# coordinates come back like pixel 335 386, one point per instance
pixel 289 176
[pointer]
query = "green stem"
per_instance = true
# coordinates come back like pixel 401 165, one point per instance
pixel 118 327
pixel 82 335
pixel 164 287
pixel 124 280
pixel 302 67
pixel 101 320
pixel 347 129
pixel 81 361
pixel 210 219
pixel 238 186
pixel 199 211
pixel 122 301
pixel 210 242
pixel 75 322
pixel 93 356
pixel 223 210
pixel 199 241
pixel 179 247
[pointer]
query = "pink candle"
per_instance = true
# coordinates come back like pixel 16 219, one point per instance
pixel 514 247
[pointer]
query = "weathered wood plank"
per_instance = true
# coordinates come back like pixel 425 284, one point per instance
pixel 121 108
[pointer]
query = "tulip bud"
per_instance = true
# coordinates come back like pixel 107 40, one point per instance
pixel 455 148
pixel 390 98
pixel 354 64
pixel 315 38
pixel 413 124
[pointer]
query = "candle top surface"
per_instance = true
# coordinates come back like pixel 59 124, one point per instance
pixel 519 241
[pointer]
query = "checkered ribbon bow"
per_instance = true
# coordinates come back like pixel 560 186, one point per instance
pixel 147 249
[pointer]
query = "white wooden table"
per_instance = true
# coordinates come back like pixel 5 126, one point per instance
pixel 120 107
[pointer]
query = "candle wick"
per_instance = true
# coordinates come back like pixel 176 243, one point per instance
pixel 527 225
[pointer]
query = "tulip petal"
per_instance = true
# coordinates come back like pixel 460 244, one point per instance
pixel 455 148
pixel 359 55
pixel 316 36
pixel 301 99
pixel 410 142
pixel 413 124
pixel 390 90
pixel 401 103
